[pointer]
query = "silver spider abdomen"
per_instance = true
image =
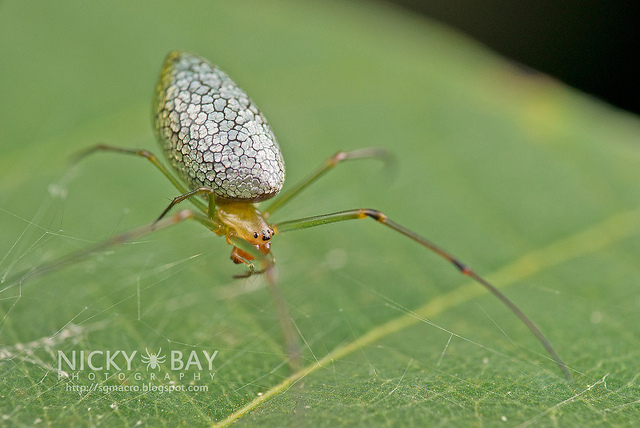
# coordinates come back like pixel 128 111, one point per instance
pixel 213 134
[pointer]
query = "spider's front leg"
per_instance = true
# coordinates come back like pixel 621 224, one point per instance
pixel 131 235
pixel 381 218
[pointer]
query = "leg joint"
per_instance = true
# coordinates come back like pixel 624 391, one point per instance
pixel 337 158
pixel 147 154
pixel 374 214
pixel 464 269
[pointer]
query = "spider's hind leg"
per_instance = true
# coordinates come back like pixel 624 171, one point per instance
pixel 143 154
pixel 329 164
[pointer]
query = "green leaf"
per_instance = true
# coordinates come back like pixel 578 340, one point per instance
pixel 532 184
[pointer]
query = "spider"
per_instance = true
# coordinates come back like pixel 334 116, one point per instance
pixel 227 160
pixel 153 361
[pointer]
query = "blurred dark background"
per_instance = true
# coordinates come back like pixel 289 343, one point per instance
pixel 588 44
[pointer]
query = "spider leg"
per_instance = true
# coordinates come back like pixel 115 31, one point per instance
pixel 330 163
pixel 464 269
pixel 144 154
pixel 292 345
pixel 290 339
pixel 121 238
pixel 199 191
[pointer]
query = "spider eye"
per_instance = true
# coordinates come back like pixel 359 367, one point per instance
pixel 255 235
